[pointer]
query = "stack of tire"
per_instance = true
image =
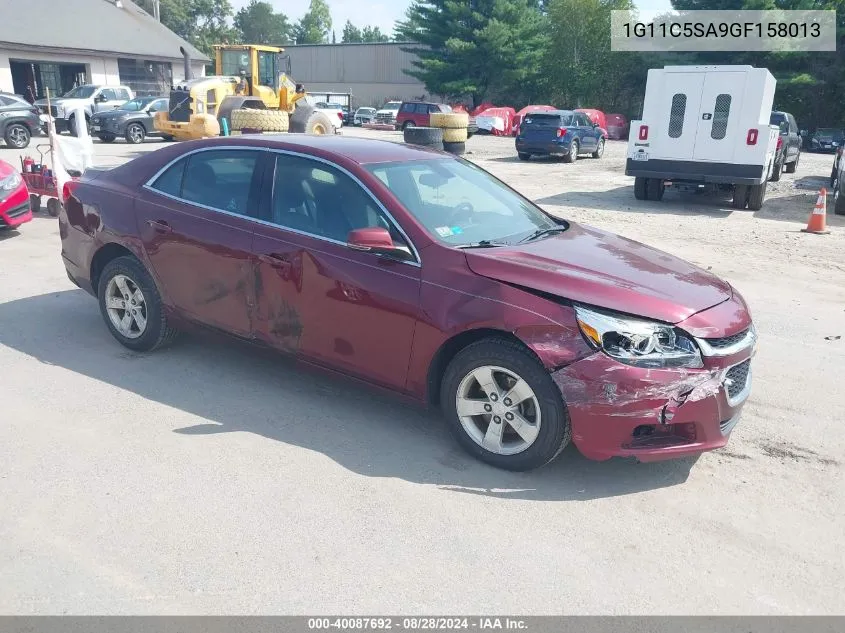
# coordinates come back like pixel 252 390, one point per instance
pixel 424 136
pixel 249 121
pixel 454 126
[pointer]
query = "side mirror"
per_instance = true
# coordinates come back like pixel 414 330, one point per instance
pixel 374 239
pixel 595 125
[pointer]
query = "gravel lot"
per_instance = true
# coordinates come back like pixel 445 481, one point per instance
pixel 208 478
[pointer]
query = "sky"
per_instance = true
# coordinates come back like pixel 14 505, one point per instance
pixel 381 13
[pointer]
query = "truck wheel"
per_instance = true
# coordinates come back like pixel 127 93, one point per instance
pixel 260 120
pixel 791 167
pixel 453 120
pixel 838 198
pixel 740 196
pixel 655 189
pixel 641 188
pixel 455 135
pixel 426 136
pixel 756 195
pixel 777 168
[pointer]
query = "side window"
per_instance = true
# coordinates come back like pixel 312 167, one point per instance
pixel 584 120
pixel 109 94
pixel 677 114
pixel 123 93
pixel 422 108
pixel 170 182
pixel 5 102
pixel 315 198
pixel 158 106
pixel 221 179
pixel 721 113
pixel 407 107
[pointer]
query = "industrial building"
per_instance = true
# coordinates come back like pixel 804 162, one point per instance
pixel 371 73
pixel 58 44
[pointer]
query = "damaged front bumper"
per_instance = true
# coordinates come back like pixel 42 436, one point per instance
pixel 618 410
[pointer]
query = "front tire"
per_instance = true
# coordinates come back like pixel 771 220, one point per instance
pixel 503 406
pixel 599 149
pixel 791 167
pixel 523 156
pixel 131 306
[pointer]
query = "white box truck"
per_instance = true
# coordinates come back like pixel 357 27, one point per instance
pixel 705 126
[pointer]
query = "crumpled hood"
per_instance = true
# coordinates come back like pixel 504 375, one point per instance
pixel 591 266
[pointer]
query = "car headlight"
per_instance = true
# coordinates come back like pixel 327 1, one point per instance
pixel 10 183
pixel 638 342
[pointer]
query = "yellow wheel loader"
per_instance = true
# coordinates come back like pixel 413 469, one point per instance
pixel 250 91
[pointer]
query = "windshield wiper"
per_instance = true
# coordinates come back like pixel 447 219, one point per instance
pixel 542 232
pixel 483 244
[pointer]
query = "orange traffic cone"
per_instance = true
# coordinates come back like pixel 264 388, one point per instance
pixel 817 221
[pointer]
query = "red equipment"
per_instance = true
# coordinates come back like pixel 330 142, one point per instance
pixel 41 182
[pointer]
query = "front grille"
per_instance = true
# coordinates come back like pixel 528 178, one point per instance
pixel 17 211
pixel 180 106
pixel 385 118
pixel 722 343
pixel 52 110
pixel 736 378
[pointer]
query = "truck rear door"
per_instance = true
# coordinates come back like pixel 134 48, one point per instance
pixel 718 126
pixel 678 112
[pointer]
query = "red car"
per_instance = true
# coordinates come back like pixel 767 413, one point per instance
pixel 417 113
pixel 419 272
pixel 14 198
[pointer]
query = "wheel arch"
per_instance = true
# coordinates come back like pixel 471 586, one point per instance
pixel 453 346
pixel 103 256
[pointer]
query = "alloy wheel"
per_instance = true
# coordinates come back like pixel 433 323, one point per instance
pixel 18 137
pixel 498 410
pixel 126 306
pixel 136 134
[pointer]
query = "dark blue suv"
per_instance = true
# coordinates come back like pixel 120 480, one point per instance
pixel 559 133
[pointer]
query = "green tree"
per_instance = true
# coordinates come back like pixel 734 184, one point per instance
pixel 581 69
pixel 315 25
pixel 481 49
pixel 202 22
pixel 351 34
pixel 373 34
pixel 258 23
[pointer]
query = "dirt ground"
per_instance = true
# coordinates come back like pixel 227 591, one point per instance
pixel 208 480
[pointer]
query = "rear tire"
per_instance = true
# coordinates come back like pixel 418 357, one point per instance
pixel 641 188
pixel 17 136
pixel 740 198
pixel 572 156
pixel 546 419
pixel 756 196
pixel 523 156
pixel 35 202
pixel 791 167
pixel 655 189
pixel 838 198
pixel 148 329
pixel 777 169
pixel 53 207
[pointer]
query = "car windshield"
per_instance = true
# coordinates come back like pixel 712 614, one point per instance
pixel 136 105
pixel 461 204
pixel 829 131
pixel 80 92
pixel 365 110
pixel 392 105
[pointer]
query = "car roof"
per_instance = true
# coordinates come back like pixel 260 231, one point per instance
pixel 363 151
pixel 552 112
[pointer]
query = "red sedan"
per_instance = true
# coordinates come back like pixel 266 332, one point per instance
pixel 419 272
pixel 14 198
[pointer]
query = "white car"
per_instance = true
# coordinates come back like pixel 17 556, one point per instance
pixel 387 114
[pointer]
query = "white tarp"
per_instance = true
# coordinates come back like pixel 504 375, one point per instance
pixel 490 123
pixel 71 153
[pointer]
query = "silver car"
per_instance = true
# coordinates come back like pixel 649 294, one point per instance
pixel 364 115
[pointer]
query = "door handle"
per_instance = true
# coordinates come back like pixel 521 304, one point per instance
pixel 275 260
pixel 160 226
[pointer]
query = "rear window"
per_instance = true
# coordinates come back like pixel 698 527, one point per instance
pixel 548 119
pixel 781 121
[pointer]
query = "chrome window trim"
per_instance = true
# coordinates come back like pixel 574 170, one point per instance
pixel 149 186
pixel 744 343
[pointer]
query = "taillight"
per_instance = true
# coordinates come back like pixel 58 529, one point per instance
pixel 643 135
pixel 780 142
pixel 340 115
pixel 561 131
pixel 751 139
pixel 69 188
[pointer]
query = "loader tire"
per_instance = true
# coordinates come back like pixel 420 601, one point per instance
pixel 455 135
pixel 449 120
pixel 427 136
pixel 260 120
pixel 307 120
pixel 458 149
